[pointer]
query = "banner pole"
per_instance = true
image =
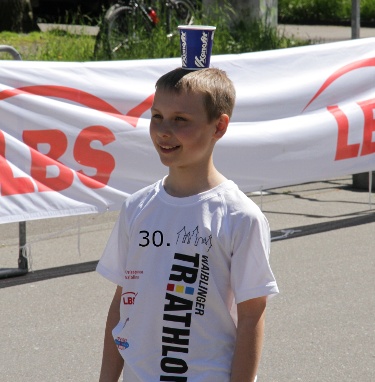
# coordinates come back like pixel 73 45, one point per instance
pixel 23 266
pixel 356 19
pixel 370 189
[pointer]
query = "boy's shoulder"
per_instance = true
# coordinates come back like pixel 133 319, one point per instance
pixel 227 195
pixel 238 202
pixel 137 201
pixel 142 194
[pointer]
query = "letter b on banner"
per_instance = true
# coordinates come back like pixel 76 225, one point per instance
pixel 40 163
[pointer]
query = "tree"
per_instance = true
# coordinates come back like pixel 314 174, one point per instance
pixel 264 10
pixel 16 15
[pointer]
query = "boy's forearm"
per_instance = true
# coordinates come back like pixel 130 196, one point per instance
pixel 112 362
pixel 248 347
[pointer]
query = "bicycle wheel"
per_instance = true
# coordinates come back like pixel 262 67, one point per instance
pixel 127 28
pixel 101 49
pixel 181 12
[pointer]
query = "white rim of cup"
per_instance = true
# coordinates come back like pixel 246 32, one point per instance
pixel 197 27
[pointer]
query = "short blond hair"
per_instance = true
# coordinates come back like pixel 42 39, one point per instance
pixel 218 90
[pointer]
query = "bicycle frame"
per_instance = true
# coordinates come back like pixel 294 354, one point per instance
pixel 146 10
pixel 120 29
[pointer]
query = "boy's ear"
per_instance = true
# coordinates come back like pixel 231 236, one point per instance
pixel 221 126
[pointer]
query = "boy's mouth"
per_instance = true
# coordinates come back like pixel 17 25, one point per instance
pixel 168 149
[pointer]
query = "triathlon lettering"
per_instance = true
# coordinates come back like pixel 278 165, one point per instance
pixel 200 300
pixel 177 316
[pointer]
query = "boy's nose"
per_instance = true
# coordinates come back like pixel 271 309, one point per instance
pixel 164 130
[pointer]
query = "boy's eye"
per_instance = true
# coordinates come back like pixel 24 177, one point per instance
pixel 156 116
pixel 180 119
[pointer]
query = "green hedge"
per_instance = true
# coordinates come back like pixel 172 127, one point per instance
pixel 329 12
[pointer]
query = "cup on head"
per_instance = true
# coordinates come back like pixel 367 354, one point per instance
pixel 196 45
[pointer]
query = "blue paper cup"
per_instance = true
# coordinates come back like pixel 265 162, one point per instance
pixel 196 46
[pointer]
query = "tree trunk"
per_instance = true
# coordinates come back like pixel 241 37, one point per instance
pixel 263 10
pixel 16 16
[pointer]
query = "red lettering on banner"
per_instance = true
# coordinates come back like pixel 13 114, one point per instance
pixel 9 185
pixel 47 171
pixel 343 150
pixel 103 162
pixel 367 62
pixel 58 144
pixel 83 98
pixel 368 108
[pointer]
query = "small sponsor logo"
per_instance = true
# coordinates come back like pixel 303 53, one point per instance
pixel 200 62
pixel 122 343
pixel 183 48
pixel 133 274
pixel 128 298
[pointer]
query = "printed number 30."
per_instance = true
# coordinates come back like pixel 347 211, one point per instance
pixel 157 238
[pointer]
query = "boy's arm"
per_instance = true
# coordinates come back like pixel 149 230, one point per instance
pixel 112 362
pixel 250 330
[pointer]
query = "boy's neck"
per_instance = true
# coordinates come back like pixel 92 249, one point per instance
pixel 182 184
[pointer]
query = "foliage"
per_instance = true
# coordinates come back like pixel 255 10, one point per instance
pixel 238 35
pixel 231 37
pixel 16 15
pixel 332 12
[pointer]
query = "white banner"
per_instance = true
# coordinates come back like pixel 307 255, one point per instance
pixel 74 136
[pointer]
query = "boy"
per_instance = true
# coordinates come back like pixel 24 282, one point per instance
pixel 189 254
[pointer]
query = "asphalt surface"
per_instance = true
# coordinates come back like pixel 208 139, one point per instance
pixel 320 327
pixel 323 33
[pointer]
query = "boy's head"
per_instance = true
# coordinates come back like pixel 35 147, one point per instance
pixel 216 88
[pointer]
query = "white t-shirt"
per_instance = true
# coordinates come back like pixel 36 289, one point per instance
pixel 184 264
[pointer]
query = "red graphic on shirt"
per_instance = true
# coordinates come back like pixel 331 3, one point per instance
pixel 84 154
pixel 344 150
pixel 128 298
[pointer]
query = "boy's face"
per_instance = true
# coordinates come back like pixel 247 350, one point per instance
pixel 180 130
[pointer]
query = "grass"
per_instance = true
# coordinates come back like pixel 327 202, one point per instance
pixel 49 46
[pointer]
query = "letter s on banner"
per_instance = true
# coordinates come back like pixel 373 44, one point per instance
pixel 88 156
pixel 84 154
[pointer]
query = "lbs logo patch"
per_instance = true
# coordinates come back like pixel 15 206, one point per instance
pixel 128 298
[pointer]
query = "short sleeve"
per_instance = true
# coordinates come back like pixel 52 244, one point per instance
pixel 112 263
pixel 251 274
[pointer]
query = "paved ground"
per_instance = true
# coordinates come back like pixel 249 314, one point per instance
pixel 323 34
pixel 320 328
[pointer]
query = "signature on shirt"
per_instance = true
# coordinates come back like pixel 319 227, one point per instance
pixel 185 236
